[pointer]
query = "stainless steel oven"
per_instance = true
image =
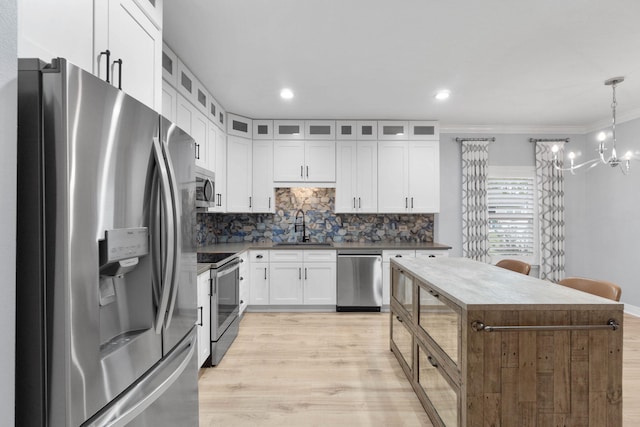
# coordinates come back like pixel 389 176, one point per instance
pixel 206 196
pixel 225 304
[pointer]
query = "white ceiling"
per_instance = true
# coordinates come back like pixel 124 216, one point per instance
pixel 507 63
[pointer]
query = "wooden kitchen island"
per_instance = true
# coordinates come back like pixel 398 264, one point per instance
pixel 486 346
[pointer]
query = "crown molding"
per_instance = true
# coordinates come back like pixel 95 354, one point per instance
pixel 511 129
pixel 620 118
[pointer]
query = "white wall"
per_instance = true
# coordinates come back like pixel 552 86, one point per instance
pixel 8 135
pixel 611 245
pixel 602 206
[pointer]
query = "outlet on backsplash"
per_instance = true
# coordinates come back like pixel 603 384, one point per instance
pixel 322 224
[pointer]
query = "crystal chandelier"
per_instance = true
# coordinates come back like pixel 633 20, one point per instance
pixel 603 158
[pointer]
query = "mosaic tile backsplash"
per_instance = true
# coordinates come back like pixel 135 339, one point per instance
pixel 322 224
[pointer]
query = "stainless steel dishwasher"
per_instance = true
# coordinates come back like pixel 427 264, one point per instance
pixel 359 280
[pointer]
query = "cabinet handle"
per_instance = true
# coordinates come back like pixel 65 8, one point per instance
pixel 406 202
pixel 432 361
pixel 305 273
pixel 399 319
pixel 241 278
pixel 108 55
pixel 219 199
pixel 398 256
pixel 432 256
pixel 197 151
pixel 265 273
pixel 307 171
pixel 299 274
pixel 269 202
pixel 119 62
pixel 301 171
pixel 412 203
pixel 201 318
pixel 249 201
pixel 354 203
pixel 434 293
pixel 359 203
pixel 259 256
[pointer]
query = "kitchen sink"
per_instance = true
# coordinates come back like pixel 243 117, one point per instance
pixel 327 244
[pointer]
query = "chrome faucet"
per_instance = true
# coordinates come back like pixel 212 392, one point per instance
pixel 297 225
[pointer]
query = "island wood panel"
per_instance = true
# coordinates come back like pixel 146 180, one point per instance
pixel 523 378
pixel 543 378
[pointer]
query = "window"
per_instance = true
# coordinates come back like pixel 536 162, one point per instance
pixel 513 220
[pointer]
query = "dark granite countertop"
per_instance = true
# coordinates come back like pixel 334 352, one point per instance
pixel 241 247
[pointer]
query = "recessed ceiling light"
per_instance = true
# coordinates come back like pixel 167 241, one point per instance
pixel 286 94
pixel 443 94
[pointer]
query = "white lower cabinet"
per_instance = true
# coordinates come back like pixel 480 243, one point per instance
pixel 204 316
pixel 304 277
pixel 259 288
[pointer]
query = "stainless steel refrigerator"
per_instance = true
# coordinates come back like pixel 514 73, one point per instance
pixel 106 263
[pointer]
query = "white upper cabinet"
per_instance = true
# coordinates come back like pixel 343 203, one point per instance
pixel 320 129
pixel 356 176
pixel 367 130
pixel 288 129
pixel 239 174
pixel 239 126
pixel 169 101
pixel 424 176
pixel 424 130
pixel 408 176
pixel 304 161
pixel 69 36
pixel 201 98
pixel 134 43
pixel 263 192
pixel 169 65
pixel 186 82
pixel 346 129
pixel 191 120
pixel 263 129
pixel 153 10
pixel 219 163
pixel 393 129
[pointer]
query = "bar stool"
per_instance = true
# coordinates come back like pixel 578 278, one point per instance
pixel 601 288
pixel 515 265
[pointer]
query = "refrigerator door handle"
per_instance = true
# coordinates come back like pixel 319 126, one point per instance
pixel 168 261
pixel 149 388
pixel 177 240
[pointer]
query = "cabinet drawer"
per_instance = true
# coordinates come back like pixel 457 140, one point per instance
pixel 440 319
pixel 431 253
pixel 285 256
pixel 259 256
pixel 402 338
pixel 402 289
pixel 438 387
pixel 319 256
pixel 387 255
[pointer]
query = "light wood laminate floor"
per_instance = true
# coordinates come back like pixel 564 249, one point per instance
pixel 322 369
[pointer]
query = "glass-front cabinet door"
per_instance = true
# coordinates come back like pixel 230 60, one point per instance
pixel 438 387
pixel 402 289
pixel 441 321
pixel 403 339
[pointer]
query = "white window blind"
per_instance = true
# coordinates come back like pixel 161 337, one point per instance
pixel 511 201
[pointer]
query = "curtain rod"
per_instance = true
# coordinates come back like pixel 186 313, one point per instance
pixel 549 140
pixel 475 139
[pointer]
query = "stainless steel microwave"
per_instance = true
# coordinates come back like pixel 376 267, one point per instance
pixel 205 188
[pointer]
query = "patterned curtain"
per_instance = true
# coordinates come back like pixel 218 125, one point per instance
pixel 475 156
pixel 550 182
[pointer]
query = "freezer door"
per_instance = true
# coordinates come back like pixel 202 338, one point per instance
pixel 166 396
pixel 182 308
